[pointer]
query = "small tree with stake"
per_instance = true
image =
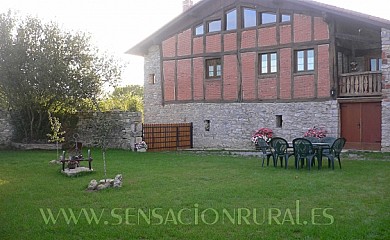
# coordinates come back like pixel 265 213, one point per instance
pixel 56 135
pixel 103 131
pixel 104 128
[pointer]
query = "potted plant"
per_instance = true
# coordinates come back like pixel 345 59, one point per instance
pixel 141 147
pixel 264 133
pixel 72 164
pixel 317 132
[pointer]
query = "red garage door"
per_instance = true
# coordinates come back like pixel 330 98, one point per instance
pixel 361 125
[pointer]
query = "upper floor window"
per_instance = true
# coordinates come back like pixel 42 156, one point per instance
pixel 375 64
pixel 268 63
pixel 285 18
pixel 250 19
pixel 268 17
pixel 231 20
pixel 214 26
pixel 199 30
pixel 213 68
pixel 304 60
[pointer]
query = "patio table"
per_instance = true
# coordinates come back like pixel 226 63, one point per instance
pixel 318 147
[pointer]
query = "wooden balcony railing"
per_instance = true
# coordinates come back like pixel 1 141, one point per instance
pixel 360 84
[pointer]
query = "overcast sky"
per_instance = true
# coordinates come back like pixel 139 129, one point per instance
pixel 117 25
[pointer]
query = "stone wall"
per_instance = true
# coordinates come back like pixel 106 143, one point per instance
pixel 386 90
pixel 231 125
pixel 5 128
pixel 152 90
pixel 126 128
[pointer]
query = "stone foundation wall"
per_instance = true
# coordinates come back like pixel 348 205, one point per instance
pixel 126 128
pixel 386 90
pixel 232 125
pixel 5 128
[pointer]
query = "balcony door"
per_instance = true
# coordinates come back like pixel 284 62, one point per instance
pixel 361 125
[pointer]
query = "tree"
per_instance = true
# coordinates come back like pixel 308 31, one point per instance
pixel 56 134
pixel 44 69
pixel 128 98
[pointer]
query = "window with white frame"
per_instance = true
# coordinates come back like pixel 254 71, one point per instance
pixel 304 60
pixel 268 63
pixel 213 68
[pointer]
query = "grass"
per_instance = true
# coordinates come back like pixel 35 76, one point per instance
pixel 186 192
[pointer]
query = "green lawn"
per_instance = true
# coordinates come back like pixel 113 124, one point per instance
pixel 193 196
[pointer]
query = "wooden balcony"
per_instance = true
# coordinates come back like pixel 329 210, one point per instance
pixel 360 84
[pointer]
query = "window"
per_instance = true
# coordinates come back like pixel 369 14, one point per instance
pixel 207 125
pixel 231 20
pixel 268 63
pixel 152 78
pixel 375 64
pixel 199 30
pixel 214 26
pixel 267 17
pixel 279 121
pixel 310 60
pixel 213 68
pixel 285 18
pixel 250 19
pixel 304 60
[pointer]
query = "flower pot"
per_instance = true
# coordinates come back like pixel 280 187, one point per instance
pixel 72 166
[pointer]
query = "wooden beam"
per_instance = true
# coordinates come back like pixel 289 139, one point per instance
pixel 351 37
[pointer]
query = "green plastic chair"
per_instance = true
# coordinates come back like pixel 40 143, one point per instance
pixel 279 147
pixel 303 149
pixel 329 141
pixel 265 151
pixel 335 151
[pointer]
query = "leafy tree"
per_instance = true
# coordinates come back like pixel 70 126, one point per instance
pixel 128 98
pixel 45 69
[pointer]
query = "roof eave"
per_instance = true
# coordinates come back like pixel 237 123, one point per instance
pixel 141 49
pixel 377 21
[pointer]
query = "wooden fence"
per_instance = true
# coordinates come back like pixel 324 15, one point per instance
pixel 168 137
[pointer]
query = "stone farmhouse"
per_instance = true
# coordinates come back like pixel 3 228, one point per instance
pixel 233 66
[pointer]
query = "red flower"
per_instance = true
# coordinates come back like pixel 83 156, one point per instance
pixel 264 133
pixel 318 132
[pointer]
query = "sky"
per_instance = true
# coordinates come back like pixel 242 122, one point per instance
pixel 118 25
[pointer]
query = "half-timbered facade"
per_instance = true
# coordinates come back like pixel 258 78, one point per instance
pixel 233 66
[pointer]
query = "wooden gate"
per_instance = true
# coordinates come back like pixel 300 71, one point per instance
pixel 361 125
pixel 168 137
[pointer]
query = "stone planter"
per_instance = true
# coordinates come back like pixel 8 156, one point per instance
pixel 141 150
